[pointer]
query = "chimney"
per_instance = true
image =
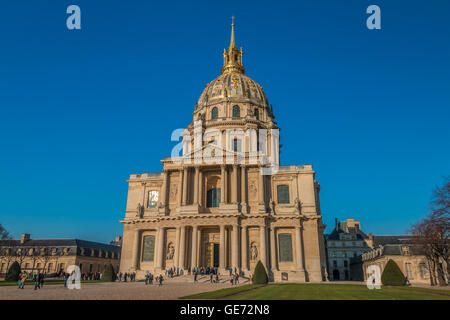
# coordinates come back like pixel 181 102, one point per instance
pixel 337 223
pixel 415 234
pixel 24 237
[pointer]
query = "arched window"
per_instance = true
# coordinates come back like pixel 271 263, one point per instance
pixel 213 198
pixel 236 145
pixel 214 113
pixel 236 112
pixel 283 194
pixel 256 113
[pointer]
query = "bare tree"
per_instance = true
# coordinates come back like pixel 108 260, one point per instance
pixel 4 235
pixel 433 234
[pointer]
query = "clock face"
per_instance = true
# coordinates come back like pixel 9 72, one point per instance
pixel 153 199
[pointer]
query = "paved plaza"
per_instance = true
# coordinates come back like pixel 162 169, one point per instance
pixel 111 290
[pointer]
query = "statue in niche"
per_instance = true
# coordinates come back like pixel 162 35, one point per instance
pixel 253 252
pixel 140 210
pixel 170 251
pixel 297 204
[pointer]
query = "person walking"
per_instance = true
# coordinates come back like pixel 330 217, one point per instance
pixel 146 278
pixel 211 277
pixel 195 277
pixel 160 279
pixel 37 281
pixel 22 278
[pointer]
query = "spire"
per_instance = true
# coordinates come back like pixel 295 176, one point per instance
pixel 232 58
pixel 232 41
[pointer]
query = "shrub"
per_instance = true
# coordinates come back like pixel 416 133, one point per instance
pixel 13 272
pixel 108 273
pixel 260 275
pixel 392 275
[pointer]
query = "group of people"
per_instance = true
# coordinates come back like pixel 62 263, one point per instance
pixel 91 276
pixel 131 277
pixel 37 278
pixel 149 279
pixel 172 272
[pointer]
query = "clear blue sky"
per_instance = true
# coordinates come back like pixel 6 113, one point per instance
pixel 81 110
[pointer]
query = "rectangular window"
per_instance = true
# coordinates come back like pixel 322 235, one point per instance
pixel 345 263
pixel 152 199
pixel 409 271
pixel 149 248
pixel 285 243
pixel 283 193
pixel 236 145
pixel 423 271
pixel 213 198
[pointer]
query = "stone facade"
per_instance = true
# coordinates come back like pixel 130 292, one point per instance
pixel 226 213
pixel 51 256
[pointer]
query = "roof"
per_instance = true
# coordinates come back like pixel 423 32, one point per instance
pixel 60 243
pixel 342 227
pixel 384 240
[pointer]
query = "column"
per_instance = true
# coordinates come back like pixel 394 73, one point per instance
pixel 244 248
pixel 222 177
pixel 197 169
pixel 185 183
pixel 177 247
pixel 261 188
pixel 262 241
pixel 135 257
pixel 194 246
pixel 182 252
pixel 234 186
pixel 243 186
pixel 222 247
pixel 200 188
pixel 273 252
pixel 235 247
pixel 164 188
pixel 159 260
pixel 299 249
pixel 180 188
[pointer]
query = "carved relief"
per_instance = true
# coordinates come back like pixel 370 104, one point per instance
pixel 252 190
pixel 173 192
pixel 253 251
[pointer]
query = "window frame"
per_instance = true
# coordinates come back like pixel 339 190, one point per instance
pixel 282 200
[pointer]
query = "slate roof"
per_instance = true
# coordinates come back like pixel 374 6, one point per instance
pixel 385 240
pixel 76 243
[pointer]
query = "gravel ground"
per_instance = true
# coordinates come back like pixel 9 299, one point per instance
pixel 111 290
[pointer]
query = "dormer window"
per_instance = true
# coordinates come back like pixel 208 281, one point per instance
pixel 214 113
pixel 236 112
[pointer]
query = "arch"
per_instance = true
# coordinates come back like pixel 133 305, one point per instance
pixel 214 113
pixel 236 111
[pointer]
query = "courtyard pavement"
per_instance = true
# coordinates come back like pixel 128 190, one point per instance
pixel 110 290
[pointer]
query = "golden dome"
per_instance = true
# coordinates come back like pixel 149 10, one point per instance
pixel 233 85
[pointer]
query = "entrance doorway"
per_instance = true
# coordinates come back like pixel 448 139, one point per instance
pixel 335 274
pixel 212 255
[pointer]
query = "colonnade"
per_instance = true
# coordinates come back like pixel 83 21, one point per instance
pixel 234 197
pixel 238 250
